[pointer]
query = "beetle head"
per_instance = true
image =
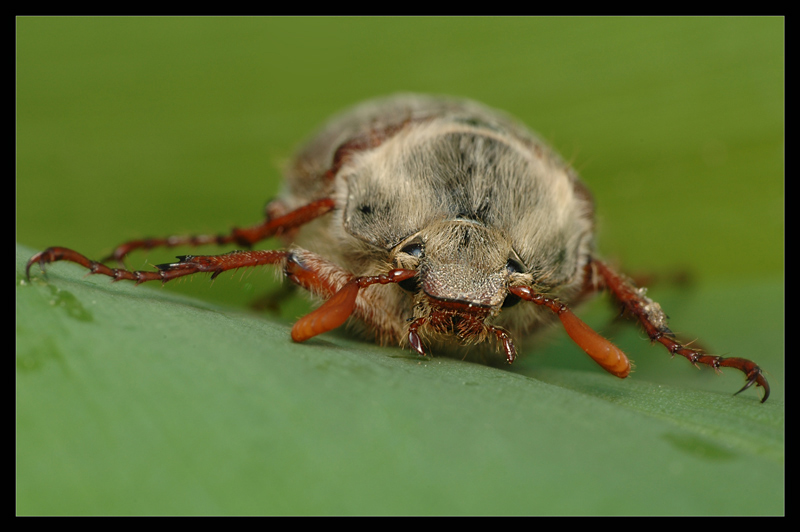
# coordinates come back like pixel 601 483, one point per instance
pixel 464 270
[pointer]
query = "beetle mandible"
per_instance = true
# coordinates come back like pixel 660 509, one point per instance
pixel 431 221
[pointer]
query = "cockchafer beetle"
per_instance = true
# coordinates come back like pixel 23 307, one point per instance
pixel 430 217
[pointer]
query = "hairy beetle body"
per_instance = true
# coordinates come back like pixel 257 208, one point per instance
pixel 466 189
pixel 431 221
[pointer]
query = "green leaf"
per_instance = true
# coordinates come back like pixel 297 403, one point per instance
pixel 133 400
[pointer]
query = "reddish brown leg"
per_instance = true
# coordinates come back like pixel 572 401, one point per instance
pixel 506 341
pixel 244 237
pixel 413 336
pixel 188 265
pixel 654 321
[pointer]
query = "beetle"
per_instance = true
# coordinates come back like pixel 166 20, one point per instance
pixel 430 221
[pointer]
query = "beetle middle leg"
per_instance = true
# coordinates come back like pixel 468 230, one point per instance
pixel 654 322
pixel 246 237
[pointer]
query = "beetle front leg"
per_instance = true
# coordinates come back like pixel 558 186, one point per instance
pixel 654 322
pixel 246 237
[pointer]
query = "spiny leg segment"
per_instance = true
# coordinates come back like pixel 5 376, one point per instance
pixel 187 265
pixel 654 322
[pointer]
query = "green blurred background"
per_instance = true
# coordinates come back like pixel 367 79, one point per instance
pixel 133 127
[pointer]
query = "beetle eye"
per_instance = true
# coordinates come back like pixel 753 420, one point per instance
pixel 514 266
pixel 413 249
